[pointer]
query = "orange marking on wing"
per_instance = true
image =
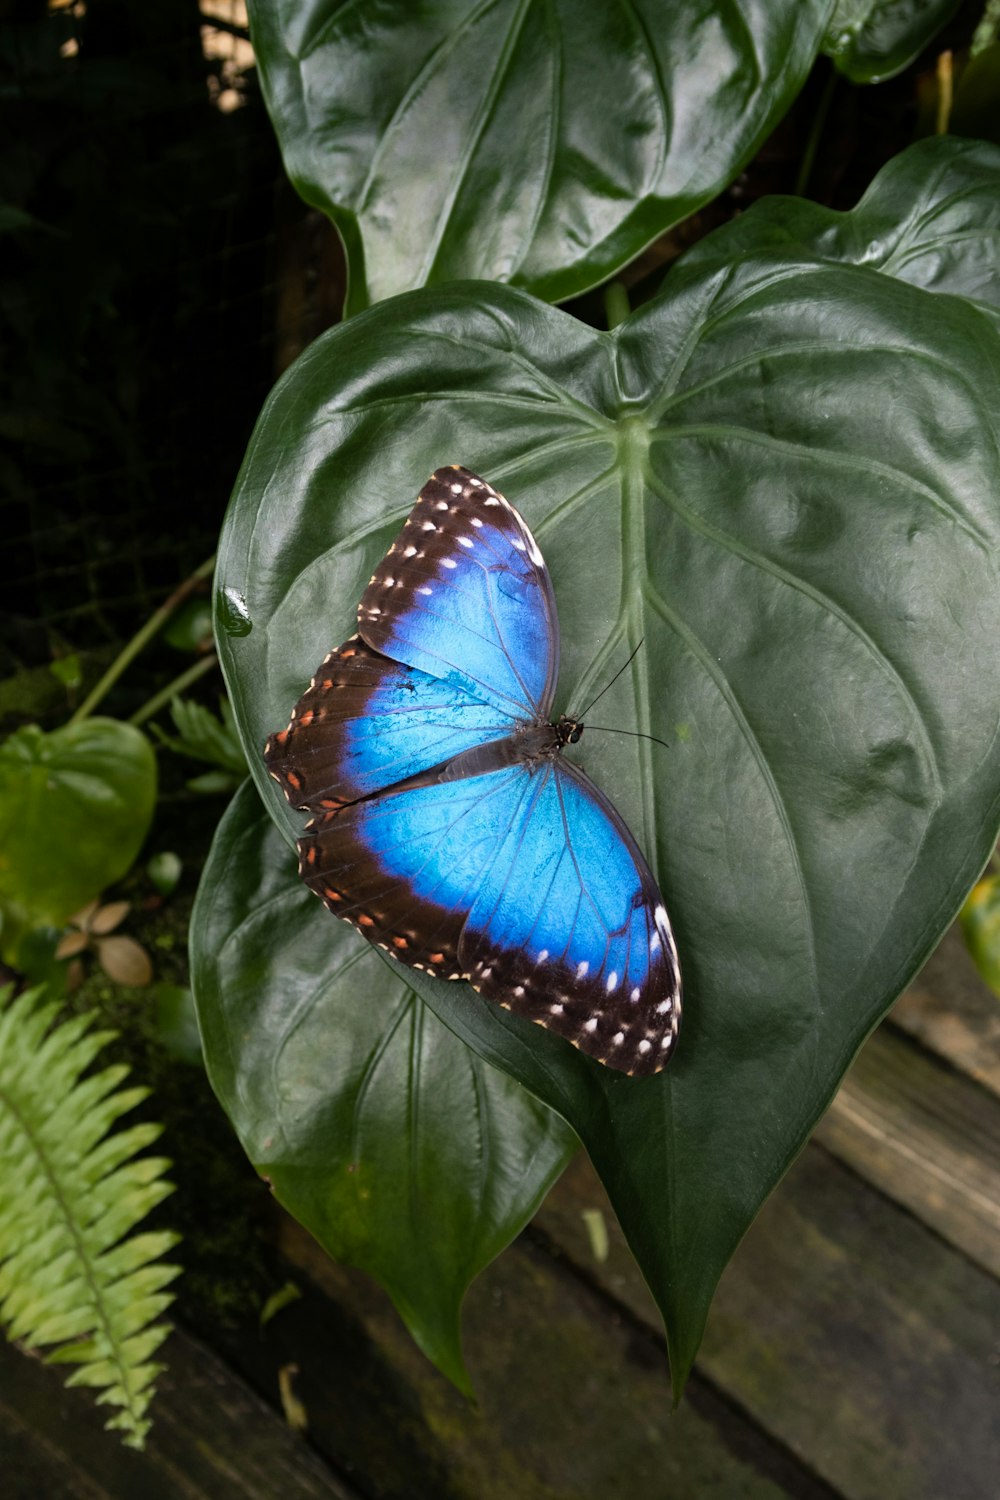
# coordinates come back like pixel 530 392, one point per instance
pixel 437 958
pixel 365 920
pixel 400 942
pixel 293 781
pixel 306 719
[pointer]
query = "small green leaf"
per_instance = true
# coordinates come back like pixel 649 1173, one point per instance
pixel 75 807
pixel 68 670
pixel 164 870
pixel 278 1300
pixel 190 629
pixel 202 736
pixel 871 40
pixel 214 783
pixel 544 144
pixel 381 1132
pixel 981 927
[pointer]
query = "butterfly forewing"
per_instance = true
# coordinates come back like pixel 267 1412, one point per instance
pixel 463 594
pixel 367 722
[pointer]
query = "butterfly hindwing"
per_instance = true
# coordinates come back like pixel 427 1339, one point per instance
pixel 404 868
pixel 568 927
pixel 464 595
pixel 527 883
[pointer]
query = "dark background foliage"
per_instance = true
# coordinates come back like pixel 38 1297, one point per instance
pixel 158 271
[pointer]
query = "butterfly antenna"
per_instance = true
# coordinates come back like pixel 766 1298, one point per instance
pixel 614 679
pixel 635 734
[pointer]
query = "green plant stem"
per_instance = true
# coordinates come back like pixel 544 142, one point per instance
pixel 163 697
pixel 816 130
pixel 142 638
pixel 945 82
pixel 616 307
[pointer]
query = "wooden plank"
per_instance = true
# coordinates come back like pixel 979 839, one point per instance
pixel 950 1010
pixel 927 1136
pixel 847 1330
pixel 212 1437
pixel 573 1398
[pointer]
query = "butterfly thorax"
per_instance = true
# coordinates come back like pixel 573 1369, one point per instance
pixel 532 743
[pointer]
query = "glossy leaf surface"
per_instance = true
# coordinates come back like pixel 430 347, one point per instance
pixel 783 474
pixel 870 40
pixel 75 807
pixel 401 1150
pixel 539 143
pixel 930 218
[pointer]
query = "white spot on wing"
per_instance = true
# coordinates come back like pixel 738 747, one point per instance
pixel 543 955
pixel 664 1006
pixel 555 1010
pixel 409 551
pixel 590 1025
pixel 645 1046
pixel 448 562
pixel 465 541
pixel 428 526
pixel 425 591
pixel 612 983
pixel 456 489
pixel 443 504
pixel 582 968
pixel 635 994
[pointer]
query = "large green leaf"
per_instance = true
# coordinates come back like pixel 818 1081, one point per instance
pixel 400 1149
pixel 930 218
pixel 871 40
pixel 784 475
pixel 543 142
pixel 75 807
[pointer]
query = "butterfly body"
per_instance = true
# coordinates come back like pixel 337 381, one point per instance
pixel 447 825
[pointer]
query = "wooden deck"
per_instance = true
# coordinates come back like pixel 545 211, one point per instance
pixel 853 1350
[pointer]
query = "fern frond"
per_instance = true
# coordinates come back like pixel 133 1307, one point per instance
pixel 71 1192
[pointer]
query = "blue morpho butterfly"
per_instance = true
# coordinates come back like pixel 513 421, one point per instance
pixel 447 825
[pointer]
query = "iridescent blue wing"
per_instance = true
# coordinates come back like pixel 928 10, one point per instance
pixel 366 722
pixel 524 881
pixel 464 595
